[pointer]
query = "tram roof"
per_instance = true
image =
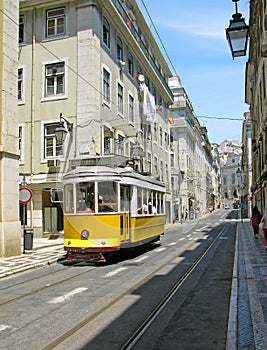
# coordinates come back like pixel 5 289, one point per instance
pixel 105 171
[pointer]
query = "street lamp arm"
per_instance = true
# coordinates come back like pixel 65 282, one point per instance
pixel 69 125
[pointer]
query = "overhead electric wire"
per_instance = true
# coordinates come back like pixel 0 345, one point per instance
pixel 168 56
pixel 206 117
pixel 91 85
pixel 152 22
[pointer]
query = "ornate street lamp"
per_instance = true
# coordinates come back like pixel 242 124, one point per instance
pixel 237 34
pixel 60 131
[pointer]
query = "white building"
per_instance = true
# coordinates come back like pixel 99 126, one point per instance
pixel 192 160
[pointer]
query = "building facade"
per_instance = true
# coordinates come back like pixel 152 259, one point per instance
pixel 192 162
pixel 94 69
pixel 10 228
pixel 256 97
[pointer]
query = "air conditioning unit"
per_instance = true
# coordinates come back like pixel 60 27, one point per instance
pixel 53 163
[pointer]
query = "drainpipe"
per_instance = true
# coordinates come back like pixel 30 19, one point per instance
pixel 32 170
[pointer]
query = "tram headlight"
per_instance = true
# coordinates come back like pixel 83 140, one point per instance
pixel 85 234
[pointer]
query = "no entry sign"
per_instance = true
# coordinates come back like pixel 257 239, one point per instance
pixel 25 195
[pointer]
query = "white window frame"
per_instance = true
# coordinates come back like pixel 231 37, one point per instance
pixel 43 156
pixel 131 109
pixel 119 48
pixel 104 100
pixel 156 165
pixel 23 85
pixel 21 138
pixel 106 44
pixel 120 146
pixel 56 18
pixel 149 162
pixel 120 98
pixel 22 24
pixel 130 64
pixel 58 96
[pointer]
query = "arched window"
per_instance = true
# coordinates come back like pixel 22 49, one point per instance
pixel 119 49
pixel 106 33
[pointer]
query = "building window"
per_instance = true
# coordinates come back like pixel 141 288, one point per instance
pixel 21 29
pixel 106 33
pixel 155 132
pixel 161 170
pixel 130 65
pixel 119 49
pixel 160 135
pixel 108 136
pixel 54 79
pixel 106 85
pixel 20 84
pixel 166 172
pixel 166 138
pixel 233 179
pixel 156 165
pixel 20 143
pixel 55 22
pixel 52 147
pixel 120 98
pixel 172 160
pixel 149 163
pixel 120 145
pixel 131 109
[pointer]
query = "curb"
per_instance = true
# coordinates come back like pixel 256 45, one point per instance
pixel 231 343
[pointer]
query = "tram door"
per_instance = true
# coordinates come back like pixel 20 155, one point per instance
pixel 125 222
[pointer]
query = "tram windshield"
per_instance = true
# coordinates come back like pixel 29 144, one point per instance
pixel 91 197
pixel 85 196
pixel 107 196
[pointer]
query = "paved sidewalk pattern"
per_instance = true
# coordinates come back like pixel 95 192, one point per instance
pixel 252 289
pixel 44 252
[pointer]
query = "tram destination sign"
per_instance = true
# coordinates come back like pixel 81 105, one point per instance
pixel 111 161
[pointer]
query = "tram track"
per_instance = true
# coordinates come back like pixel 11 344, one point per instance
pixel 136 334
pixel 154 314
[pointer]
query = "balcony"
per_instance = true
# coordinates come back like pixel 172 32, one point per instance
pixel 128 19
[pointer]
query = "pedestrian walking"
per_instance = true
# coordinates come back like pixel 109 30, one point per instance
pixel 255 221
pixel 185 215
pixel 264 227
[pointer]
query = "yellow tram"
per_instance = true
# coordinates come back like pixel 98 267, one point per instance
pixel 107 209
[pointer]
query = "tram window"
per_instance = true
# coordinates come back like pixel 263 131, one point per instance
pixel 68 199
pixel 85 194
pixel 160 203
pixel 124 198
pixel 107 196
pixel 139 200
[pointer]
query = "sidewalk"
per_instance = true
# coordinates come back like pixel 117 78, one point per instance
pixel 247 326
pixel 45 251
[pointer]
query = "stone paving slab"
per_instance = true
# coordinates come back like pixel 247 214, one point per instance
pixel 252 290
pixel 44 252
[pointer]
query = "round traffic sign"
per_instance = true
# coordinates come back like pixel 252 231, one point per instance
pixel 25 195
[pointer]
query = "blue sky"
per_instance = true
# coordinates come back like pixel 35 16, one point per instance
pixel 193 34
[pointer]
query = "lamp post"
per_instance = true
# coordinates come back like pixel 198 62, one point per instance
pixel 60 131
pixel 237 34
